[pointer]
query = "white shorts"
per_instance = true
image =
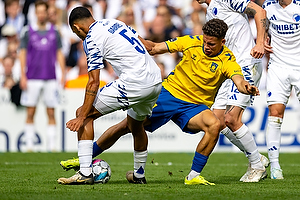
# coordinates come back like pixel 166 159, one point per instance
pixel 228 93
pixel 49 88
pixel 116 95
pixel 280 81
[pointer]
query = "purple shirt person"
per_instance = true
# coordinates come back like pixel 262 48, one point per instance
pixel 40 48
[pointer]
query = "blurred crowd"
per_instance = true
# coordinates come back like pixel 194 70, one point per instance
pixel 157 20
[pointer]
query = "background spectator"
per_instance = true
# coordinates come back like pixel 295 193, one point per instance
pixel 14 15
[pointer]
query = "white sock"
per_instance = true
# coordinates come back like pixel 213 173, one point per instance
pixel 246 139
pixel 85 151
pixel 273 136
pixel 232 138
pixel 192 175
pixel 51 138
pixel 29 135
pixel 140 159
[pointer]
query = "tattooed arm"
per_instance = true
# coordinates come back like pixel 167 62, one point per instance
pixel 90 92
pixel 90 95
pixel 261 26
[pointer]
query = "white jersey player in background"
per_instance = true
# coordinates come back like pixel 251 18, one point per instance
pixel 229 103
pixel 136 89
pixel 283 70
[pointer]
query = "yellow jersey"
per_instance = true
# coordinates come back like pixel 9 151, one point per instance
pixel 198 77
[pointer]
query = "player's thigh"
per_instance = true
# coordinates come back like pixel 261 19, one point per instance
pixel 50 93
pixel 276 110
pixel 220 114
pixel 296 82
pixel 30 96
pixel 252 73
pixel 235 98
pixel 278 85
pixel 164 109
pixel 117 95
pixel 203 121
pixel 143 105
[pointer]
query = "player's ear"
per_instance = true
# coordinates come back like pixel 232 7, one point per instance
pixel 76 26
pixel 223 41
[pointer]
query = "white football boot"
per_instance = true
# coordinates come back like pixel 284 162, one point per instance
pixel 264 161
pixel 276 173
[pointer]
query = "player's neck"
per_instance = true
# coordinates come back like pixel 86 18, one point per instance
pixel 285 3
pixel 41 26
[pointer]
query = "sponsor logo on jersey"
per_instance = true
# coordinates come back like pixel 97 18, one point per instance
pixel 286 28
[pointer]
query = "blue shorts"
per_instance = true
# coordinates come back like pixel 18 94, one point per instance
pixel 168 108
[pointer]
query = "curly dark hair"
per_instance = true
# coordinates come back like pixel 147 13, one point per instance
pixel 79 13
pixel 216 28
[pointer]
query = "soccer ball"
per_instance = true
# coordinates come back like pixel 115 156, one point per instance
pixel 101 171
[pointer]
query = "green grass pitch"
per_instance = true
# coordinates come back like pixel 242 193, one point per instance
pixel 33 176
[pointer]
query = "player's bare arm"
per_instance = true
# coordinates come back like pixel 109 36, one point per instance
pixel 243 86
pixel 147 43
pixel 90 94
pixel 260 18
pixel 159 48
pixel 23 79
pixel 154 48
pixel 61 61
pixel 268 47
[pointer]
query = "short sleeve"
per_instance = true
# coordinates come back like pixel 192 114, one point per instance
pixel 175 44
pixel 231 67
pixel 58 40
pixel 24 37
pixel 93 54
pixel 237 5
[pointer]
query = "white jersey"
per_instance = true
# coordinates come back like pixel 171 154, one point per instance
pixel 285 32
pixel 239 38
pixel 115 42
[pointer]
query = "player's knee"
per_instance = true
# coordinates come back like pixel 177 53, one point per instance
pixel 123 125
pixel 51 116
pixel 229 120
pixel 275 113
pixel 30 116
